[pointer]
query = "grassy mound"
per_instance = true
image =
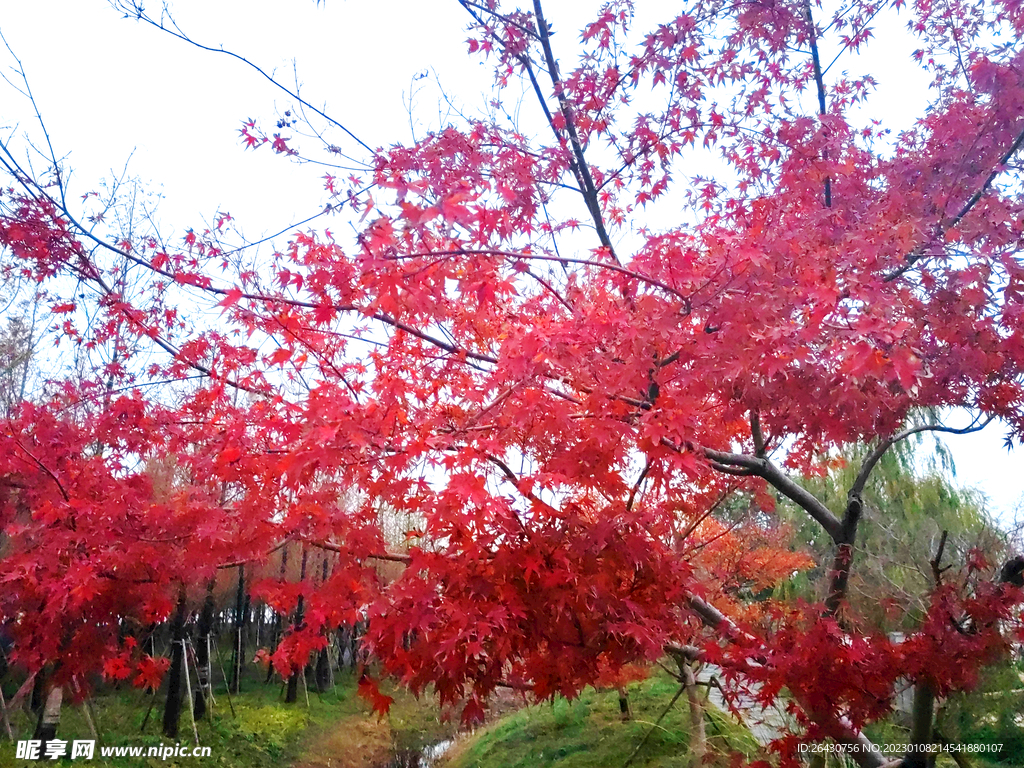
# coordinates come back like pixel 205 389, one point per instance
pixel 588 732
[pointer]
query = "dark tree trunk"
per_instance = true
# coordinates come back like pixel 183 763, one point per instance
pixel 922 713
pixel 203 652
pixel 843 559
pixel 38 690
pixel 293 682
pixel 260 619
pixel 625 713
pixel 172 709
pixel 323 661
pixel 276 631
pixel 238 654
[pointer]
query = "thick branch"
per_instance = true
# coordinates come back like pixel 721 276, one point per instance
pixel 802 497
pixel 855 505
pixel 711 616
pixel 683 654
pixel 756 434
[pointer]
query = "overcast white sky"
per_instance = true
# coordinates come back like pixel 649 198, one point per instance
pixel 108 87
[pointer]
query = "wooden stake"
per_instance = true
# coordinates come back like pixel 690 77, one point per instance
pixel 305 690
pixel 209 684
pixel 188 687
pixel 149 711
pixel 76 689
pixel 199 679
pixel 3 711
pixel 227 683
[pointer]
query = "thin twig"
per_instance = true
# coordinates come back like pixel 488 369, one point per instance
pixel 134 8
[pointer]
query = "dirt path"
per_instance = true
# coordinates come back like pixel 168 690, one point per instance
pixel 361 740
pixel 357 741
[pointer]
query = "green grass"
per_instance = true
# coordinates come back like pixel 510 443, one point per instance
pixel 265 732
pixel 336 731
pixel 588 732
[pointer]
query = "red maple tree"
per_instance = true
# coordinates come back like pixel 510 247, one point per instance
pixel 559 395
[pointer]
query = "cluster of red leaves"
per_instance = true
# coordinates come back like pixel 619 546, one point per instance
pixel 145 671
pixel 834 675
pixel 560 603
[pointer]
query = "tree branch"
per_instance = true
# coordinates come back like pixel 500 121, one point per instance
pixel 637 484
pixel 560 259
pixel 936 561
pixel 755 433
pixel 917 254
pixel 589 189
pixel 875 456
pixel 820 83
pixel 134 9
pixel 391 557
pixel 42 466
pixel 763 468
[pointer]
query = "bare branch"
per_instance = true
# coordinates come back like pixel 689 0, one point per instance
pixel 560 259
pixel 134 9
pixel 936 561
pixel 637 484
pixel 875 456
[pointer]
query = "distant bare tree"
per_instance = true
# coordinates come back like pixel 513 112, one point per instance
pixel 19 339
